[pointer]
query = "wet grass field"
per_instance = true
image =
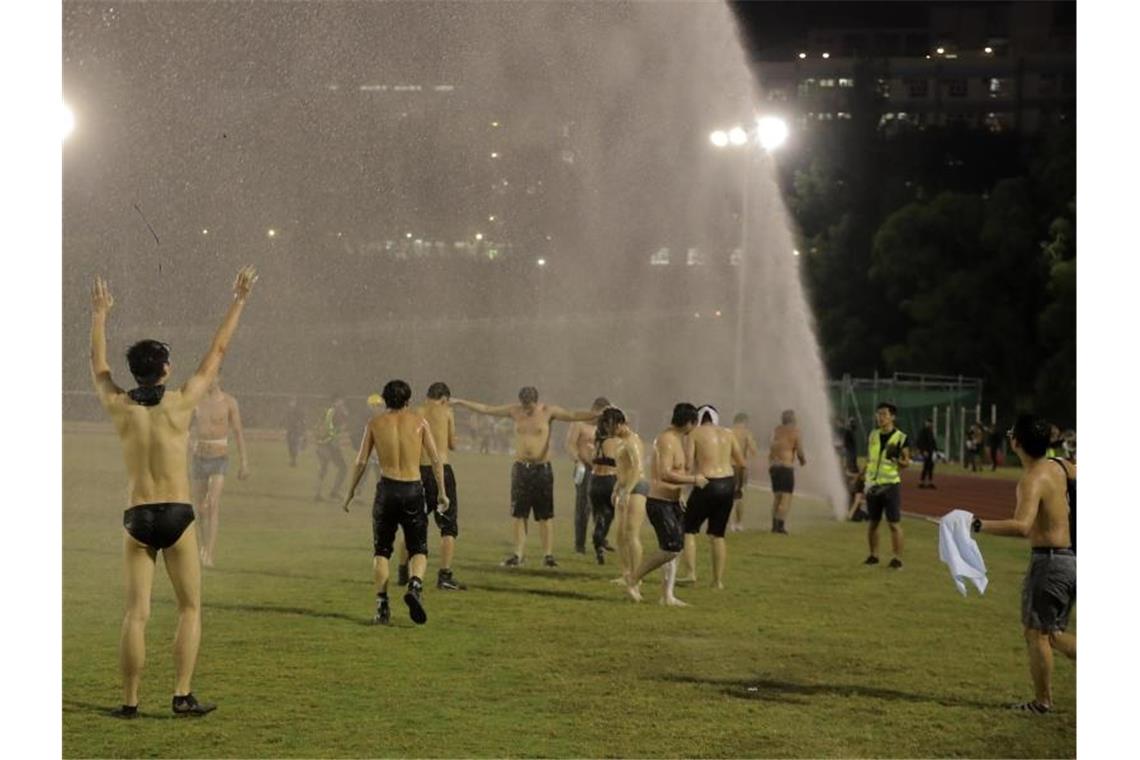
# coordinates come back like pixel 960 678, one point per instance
pixel 807 653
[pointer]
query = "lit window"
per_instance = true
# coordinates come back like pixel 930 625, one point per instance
pixel 736 257
pixel 660 258
pixel 846 82
pixel 694 258
pixel 843 115
pixel 827 83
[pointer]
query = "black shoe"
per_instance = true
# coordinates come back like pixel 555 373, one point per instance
pixel 401 575
pixel 511 561
pixel 607 547
pixel 1032 707
pixel 895 564
pixel 383 614
pixel 126 712
pixel 188 705
pixel 600 553
pixel 548 560
pixel 447 582
pixel 872 560
pixel 415 604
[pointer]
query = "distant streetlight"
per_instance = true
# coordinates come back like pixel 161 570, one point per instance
pixel 940 51
pixel 989 50
pixel 719 138
pixel 737 136
pixel 541 262
pixel 271 232
pixel 408 235
pixel 827 55
pixel 491 218
pixel 478 235
pixel 68 121
pixel 772 132
pixel 494 155
pixel 795 251
pixel 205 231
pixel 803 55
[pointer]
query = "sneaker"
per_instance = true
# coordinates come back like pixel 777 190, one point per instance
pixel 447 582
pixel 895 564
pixel 548 560
pixel 415 604
pixel 188 705
pixel 401 575
pixel 511 561
pixel 126 712
pixel 1032 707
pixel 872 560
pixel 383 614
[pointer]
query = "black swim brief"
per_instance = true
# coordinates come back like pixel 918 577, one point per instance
pixel 783 478
pixel 712 503
pixel 399 504
pixel 532 488
pixel 448 522
pixel 160 525
pixel 666 517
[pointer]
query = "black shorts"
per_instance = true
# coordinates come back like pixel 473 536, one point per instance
pixel 159 526
pixel 601 492
pixel 882 499
pixel 783 478
pixel 1049 590
pixel 532 488
pixel 448 522
pixel 712 503
pixel 399 504
pixel 665 517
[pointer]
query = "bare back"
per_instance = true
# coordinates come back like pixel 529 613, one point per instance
pixel 1045 484
pixel 784 447
pixel 668 455
pixel 398 437
pixel 712 450
pixel 155 440
pixel 746 441
pixel 532 433
pixel 441 420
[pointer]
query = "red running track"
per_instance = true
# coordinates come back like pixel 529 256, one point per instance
pixel 988 498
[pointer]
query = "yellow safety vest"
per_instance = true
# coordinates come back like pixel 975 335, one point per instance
pixel 880 470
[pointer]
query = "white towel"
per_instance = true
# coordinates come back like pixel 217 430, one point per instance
pixel 958 549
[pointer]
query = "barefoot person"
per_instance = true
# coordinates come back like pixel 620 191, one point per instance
pixel 750 448
pixel 887 453
pixel 400 437
pixel 580 446
pixel 784 449
pixel 630 492
pixel 713 452
pixel 214 418
pixel 1042 515
pixel 532 479
pixel 153 426
pixel 663 505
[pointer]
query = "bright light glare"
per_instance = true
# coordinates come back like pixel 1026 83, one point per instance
pixel 719 138
pixel 491 218
pixel 541 262
pixel 827 55
pixel 205 231
pixel 803 55
pixel 989 50
pixel 773 132
pixel 68 119
pixel 795 252
pixel 478 235
pixel 940 51
pixel 494 155
pixel 737 136
pixel 408 235
pixel 272 232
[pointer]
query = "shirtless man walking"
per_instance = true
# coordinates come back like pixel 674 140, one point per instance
pixel 783 451
pixel 580 446
pixel 214 417
pixel 153 426
pixel 400 437
pixel 1050 588
pixel 663 505
pixel 748 445
pixel 713 452
pixel 532 478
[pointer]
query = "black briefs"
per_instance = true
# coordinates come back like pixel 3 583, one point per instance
pixel 159 526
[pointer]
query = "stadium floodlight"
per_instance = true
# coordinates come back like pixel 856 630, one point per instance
pixel 737 136
pixel 719 138
pixel 773 132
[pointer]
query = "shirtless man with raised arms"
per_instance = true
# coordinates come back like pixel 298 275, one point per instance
pixel 663 504
pixel 532 479
pixel 153 426
pixel 214 417
pixel 712 452
pixel 400 437
pixel 783 451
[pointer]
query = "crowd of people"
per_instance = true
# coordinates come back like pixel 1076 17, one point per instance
pixel 691 477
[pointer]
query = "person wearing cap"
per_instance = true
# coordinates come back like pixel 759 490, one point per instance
pixel 887 454
pixel 711 452
pixel 784 449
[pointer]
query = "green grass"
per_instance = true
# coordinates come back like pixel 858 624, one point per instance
pixel 806 654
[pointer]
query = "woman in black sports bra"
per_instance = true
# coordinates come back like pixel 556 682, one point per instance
pixel 603 477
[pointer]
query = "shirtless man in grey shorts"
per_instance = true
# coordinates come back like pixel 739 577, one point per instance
pixel 153 426
pixel 215 417
pixel 1050 588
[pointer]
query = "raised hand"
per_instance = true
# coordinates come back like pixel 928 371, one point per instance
pixel 243 283
pixel 101 298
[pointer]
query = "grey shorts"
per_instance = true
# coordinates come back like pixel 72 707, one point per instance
pixel 201 468
pixel 1049 590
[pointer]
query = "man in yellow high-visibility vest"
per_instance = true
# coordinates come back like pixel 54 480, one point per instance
pixel 887 453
